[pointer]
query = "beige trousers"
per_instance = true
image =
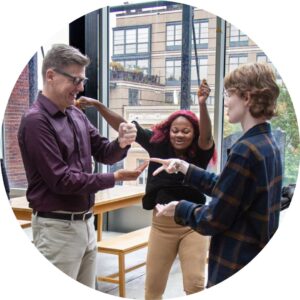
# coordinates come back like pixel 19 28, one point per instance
pixel 167 239
pixel 69 245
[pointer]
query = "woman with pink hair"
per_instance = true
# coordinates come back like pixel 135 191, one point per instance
pixel 181 135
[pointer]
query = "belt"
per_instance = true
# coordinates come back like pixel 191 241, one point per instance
pixel 63 216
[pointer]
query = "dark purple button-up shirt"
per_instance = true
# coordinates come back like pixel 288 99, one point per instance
pixel 56 148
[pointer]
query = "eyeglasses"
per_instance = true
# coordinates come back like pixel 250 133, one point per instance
pixel 76 80
pixel 225 93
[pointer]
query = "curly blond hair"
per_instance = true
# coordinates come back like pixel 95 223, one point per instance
pixel 257 79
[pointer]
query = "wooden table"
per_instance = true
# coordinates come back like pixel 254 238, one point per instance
pixel 106 200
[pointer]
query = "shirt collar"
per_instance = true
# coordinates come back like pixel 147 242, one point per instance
pixel 257 129
pixel 48 105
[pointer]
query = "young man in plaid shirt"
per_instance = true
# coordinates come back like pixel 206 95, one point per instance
pixel 243 213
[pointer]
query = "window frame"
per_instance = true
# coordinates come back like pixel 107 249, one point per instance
pixel 239 42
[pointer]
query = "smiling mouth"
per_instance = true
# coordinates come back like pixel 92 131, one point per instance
pixel 73 95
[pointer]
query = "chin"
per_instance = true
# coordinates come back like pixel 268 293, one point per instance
pixel 183 148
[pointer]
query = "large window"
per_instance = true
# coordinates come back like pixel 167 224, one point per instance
pixel 174 36
pixel 141 65
pixel 173 70
pixel 201 33
pixel 130 41
pixel 237 37
pixel 262 57
pixel 203 68
pixel 147 43
pixel 143 177
pixel 133 97
pixel 236 61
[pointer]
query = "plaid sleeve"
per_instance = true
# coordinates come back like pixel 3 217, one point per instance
pixel 231 193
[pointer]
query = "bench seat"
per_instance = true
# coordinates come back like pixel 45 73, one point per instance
pixel 120 246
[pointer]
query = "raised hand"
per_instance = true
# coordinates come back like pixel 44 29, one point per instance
pixel 203 92
pixel 171 165
pixel 127 134
pixel 84 102
pixel 126 175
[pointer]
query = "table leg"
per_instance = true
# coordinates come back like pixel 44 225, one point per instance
pixel 121 275
pixel 99 226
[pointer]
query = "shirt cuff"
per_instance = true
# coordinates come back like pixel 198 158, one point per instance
pixel 183 212
pixel 106 181
pixel 123 149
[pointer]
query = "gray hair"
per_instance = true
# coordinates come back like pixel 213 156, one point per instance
pixel 61 56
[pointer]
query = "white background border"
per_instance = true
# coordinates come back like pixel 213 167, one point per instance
pixel 25 25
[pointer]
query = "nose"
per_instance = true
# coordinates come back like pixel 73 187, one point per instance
pixel 80 87
pixel 179 134
pixel 225 102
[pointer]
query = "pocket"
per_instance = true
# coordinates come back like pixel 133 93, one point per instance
pixel 59 225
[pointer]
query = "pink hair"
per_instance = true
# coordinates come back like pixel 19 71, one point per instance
pixel 161 131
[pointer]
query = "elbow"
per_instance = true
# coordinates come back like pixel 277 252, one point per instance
pixel 64 185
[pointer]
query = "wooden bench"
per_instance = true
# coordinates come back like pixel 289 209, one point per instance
pixel 122 245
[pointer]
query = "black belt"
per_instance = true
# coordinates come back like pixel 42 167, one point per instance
pixel 63 216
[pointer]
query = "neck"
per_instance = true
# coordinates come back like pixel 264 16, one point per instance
pixel 250 122
pixel 53 98
pixel 180 153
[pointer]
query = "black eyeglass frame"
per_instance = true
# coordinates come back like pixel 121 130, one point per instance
pixel 76 80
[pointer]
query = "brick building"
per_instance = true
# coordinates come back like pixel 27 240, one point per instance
pixel 21 97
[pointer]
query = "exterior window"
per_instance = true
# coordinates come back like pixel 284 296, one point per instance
pixel 236 60
pixel 194 99
pixel 133 95
pixel 143 177
pixel 261 57
pixel 169 98
pixel 201 33
pixel 131 41
pixel 174 36
pixel 237 38
pixel 119 42
pixel 202 61
pixel 134 64
pixel 173 70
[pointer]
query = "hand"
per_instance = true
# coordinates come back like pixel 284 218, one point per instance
pixel 203 92
pixel 126 175
pixel 84 102
pixel 127 134
pixel 172 165
pixel 167 210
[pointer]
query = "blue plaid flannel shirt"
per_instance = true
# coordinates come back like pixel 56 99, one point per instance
pixel 243 213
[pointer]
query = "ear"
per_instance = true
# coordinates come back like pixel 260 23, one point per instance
pixel 247 99
pixel 50 75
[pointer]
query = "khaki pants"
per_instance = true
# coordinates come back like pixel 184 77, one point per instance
pixel 69 245
pixel 167 239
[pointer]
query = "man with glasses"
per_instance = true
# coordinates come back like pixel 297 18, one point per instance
pixel 57 142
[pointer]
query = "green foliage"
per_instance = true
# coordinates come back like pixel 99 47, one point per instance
pixel 116 66
pixel 287 121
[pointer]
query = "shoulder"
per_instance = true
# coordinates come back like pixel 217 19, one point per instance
pixel 139 127
pixel 76 112
pixel 252 148
pixel 35 115
pixel 142 133
pixel 202 157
